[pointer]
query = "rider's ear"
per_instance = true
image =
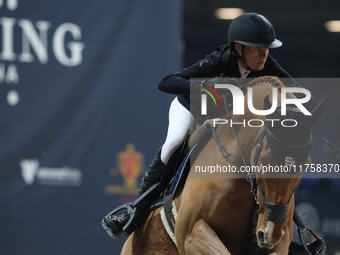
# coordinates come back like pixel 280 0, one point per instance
pixel 238 49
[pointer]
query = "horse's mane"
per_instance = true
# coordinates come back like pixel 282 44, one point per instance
pixel 263 86
pixel 272 81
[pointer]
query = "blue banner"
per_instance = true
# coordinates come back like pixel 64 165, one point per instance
pixel 80 115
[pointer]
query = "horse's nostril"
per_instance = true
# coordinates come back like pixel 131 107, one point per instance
pixel 260 236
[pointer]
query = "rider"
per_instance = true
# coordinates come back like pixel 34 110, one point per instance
pixel 250 36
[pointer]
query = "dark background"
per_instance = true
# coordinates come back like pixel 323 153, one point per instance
pixel 308 49
pixel 82 117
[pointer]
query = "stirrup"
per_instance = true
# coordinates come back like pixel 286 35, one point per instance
pixel 127 207
pixel 316 247
pixel 130 208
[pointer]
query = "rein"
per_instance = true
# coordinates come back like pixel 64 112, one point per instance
pixel 276 211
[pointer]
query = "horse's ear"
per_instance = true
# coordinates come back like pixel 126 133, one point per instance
pixel 318 109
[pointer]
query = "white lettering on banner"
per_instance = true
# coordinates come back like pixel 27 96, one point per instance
pixel 37 42
pixel 2 72
pixel 13 97
pixel 36 38
pixel 28 170
pixel 31 39
pixel 9 74
pixel 7 52
pixel 11 4
pixel 75 47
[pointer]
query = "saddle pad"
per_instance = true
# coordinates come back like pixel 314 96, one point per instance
pixel 169 219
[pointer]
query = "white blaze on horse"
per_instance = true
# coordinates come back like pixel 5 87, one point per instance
pixel 215 215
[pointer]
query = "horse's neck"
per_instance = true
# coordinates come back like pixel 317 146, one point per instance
pixel 242 136
pixel 245 135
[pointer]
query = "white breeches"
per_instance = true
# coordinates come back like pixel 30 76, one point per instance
pixel 180 122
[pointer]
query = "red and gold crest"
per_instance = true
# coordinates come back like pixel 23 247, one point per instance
pixel 130 163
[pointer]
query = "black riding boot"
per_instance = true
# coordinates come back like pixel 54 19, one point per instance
pixel 153 175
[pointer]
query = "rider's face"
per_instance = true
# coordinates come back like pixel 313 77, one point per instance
pixel 255 57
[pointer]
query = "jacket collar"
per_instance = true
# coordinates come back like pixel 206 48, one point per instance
pixel 230 64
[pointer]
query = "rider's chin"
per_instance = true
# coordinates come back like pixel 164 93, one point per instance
pixel 260 66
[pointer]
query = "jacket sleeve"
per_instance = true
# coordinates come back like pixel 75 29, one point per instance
pixel 179 83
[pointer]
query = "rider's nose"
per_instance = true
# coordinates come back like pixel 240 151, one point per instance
pixel 263 53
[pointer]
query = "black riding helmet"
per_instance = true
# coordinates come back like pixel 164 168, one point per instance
pixel 252 29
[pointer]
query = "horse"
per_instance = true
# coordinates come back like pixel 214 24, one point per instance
pixel 216 215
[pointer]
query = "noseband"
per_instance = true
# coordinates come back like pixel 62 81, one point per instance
pixel 276 212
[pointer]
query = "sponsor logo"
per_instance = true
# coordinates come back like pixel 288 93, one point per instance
pixel 289 161
pixel 33 173
pixel 130 165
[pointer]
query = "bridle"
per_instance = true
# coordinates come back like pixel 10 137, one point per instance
pixel 276 212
